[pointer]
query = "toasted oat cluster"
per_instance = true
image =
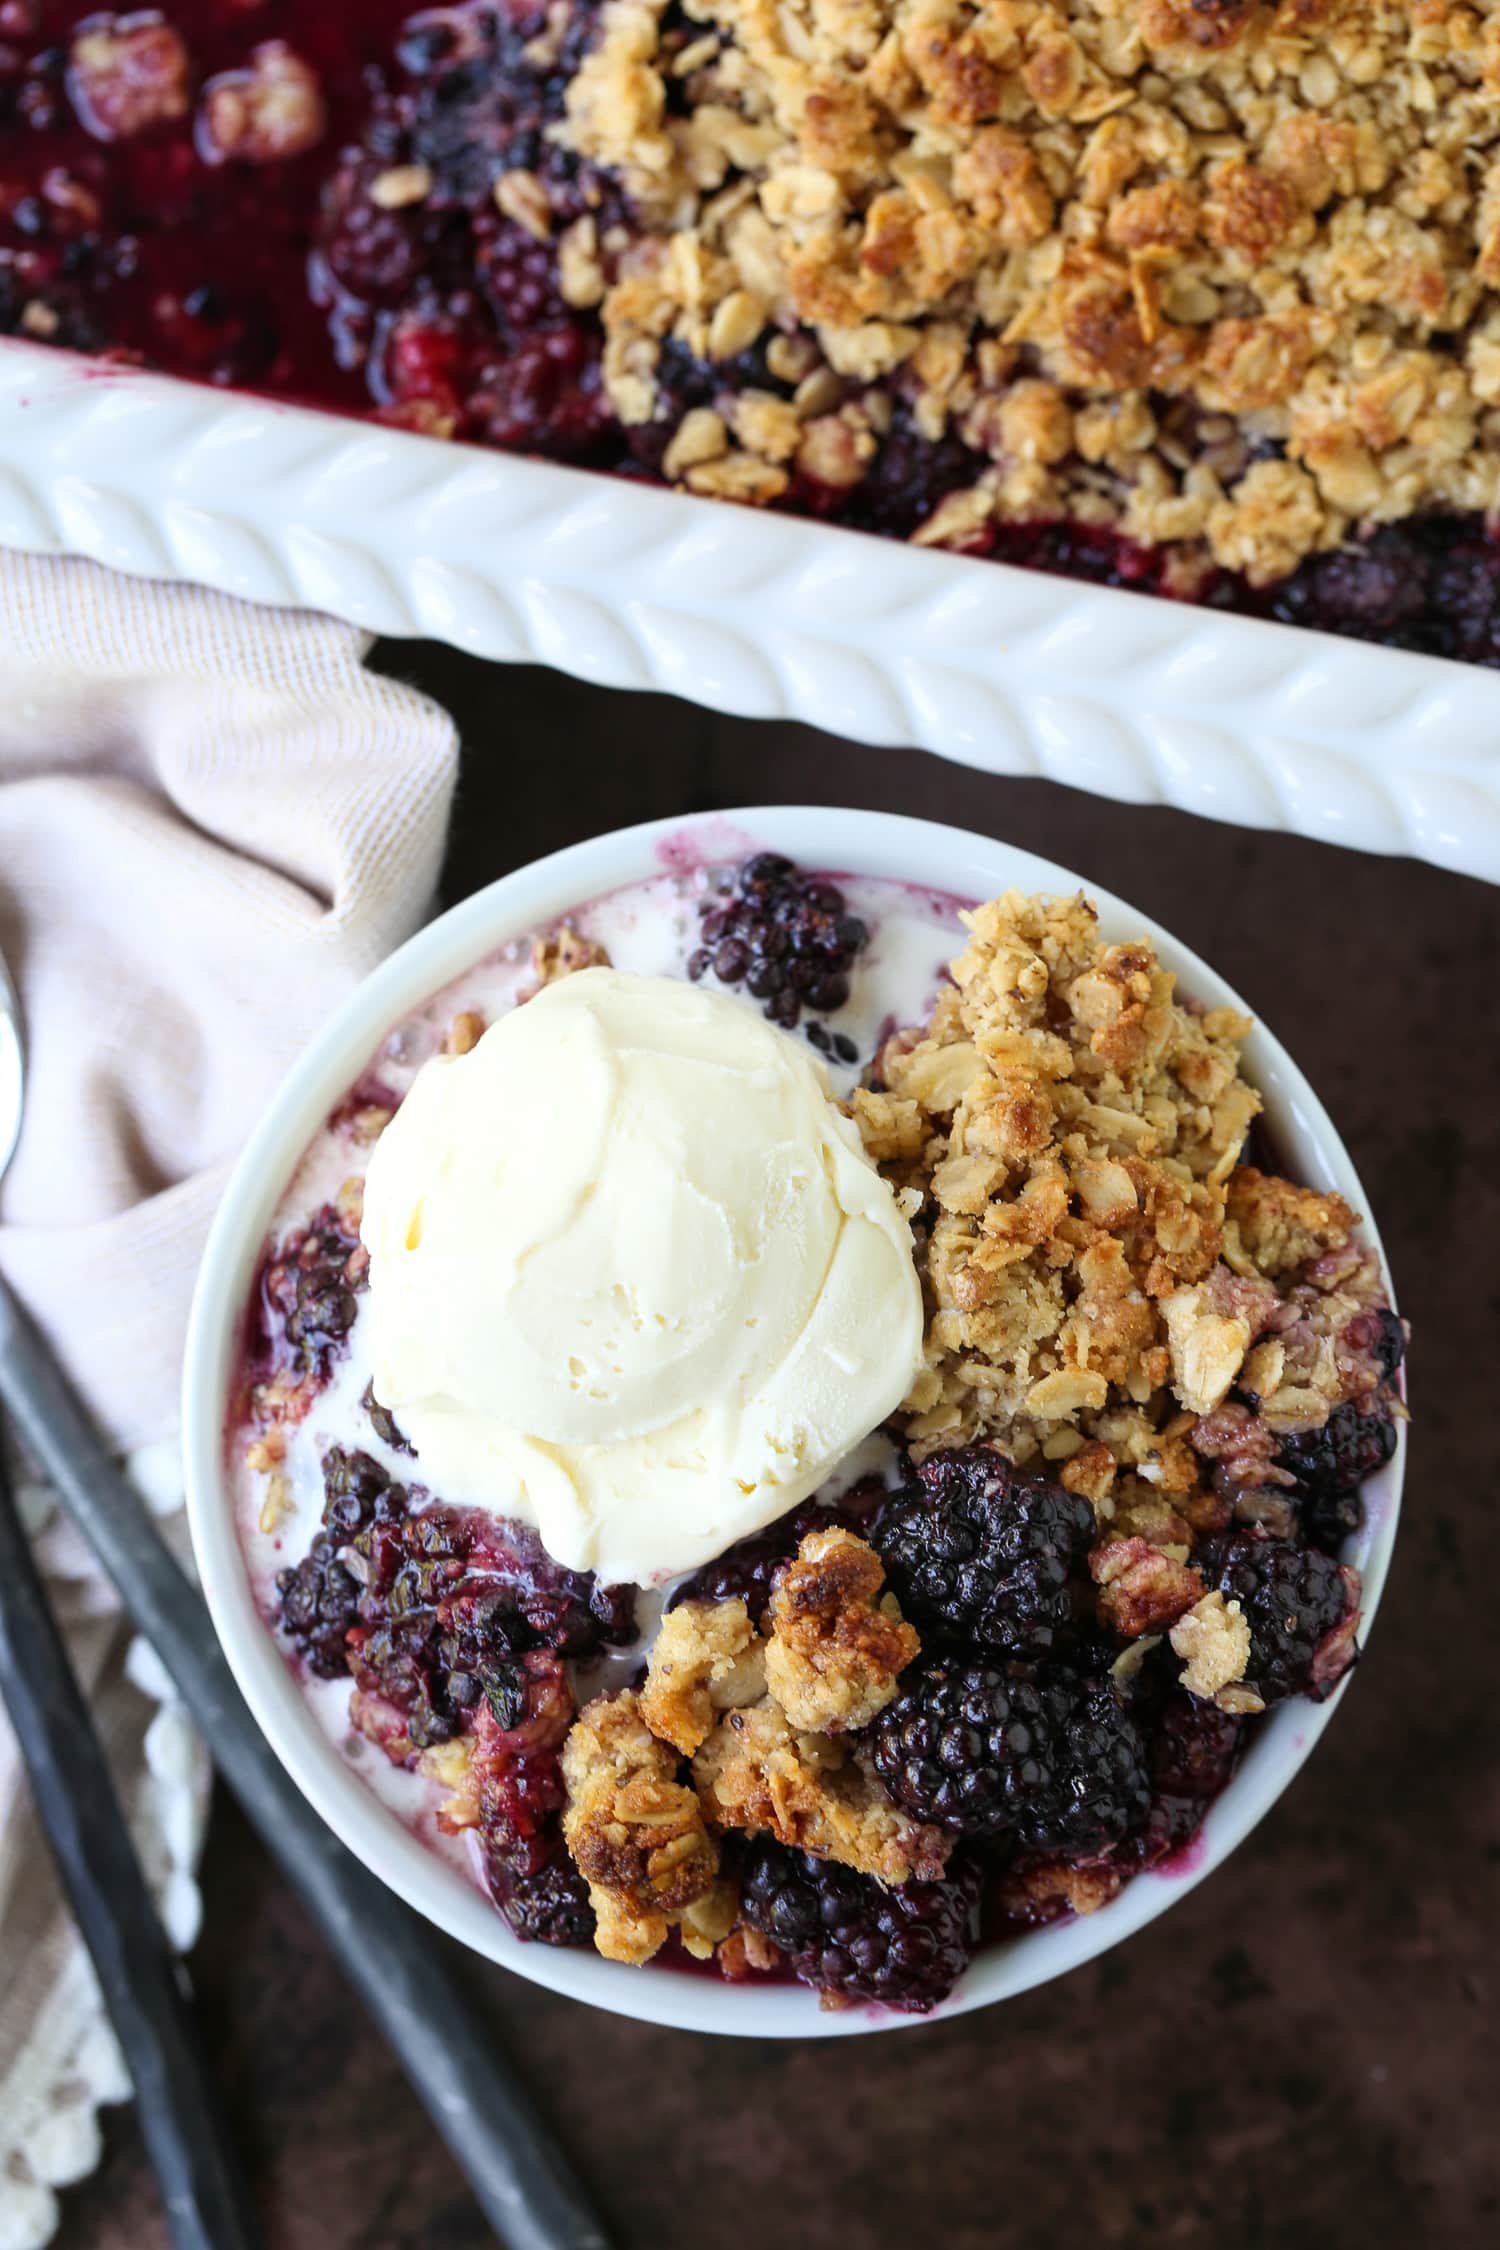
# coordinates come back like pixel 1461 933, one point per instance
pixel 758 1775
pixel 707 1658
pixel 1101 1269
pixel 837 1643
pixel 636 1834
pixel 1219 273
pixel 763 1719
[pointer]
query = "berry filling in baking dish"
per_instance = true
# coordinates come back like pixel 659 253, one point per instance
pixel 778 1455
pixel 1192 296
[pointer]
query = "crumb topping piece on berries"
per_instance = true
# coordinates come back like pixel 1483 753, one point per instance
pixel 837 1642
pixel 1213 1640
pixel 635 1830
pixel 815 1792
pixel 707 1658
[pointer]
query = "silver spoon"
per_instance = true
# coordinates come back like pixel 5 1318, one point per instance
pixel 12 1068
pixel 203 2191
pixel 523 2181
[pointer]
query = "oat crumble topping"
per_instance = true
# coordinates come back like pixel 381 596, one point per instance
pixel 756 1773
pixel 1213 1639
pixel 707 1658
pixel 1098 1263
pixel 1072 1129
pixel 1037 1889
pixel 1100 1269
pixel 762 1720
pixel 1219 273
pixel 635 1831
pixel 1142 1587
pixel 837 1643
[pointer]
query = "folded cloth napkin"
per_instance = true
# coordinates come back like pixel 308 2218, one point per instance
pixel 213 822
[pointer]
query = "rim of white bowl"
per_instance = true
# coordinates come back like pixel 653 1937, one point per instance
pixel 837 839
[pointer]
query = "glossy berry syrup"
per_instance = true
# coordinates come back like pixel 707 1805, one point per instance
pixel 130 227
pixel 136 244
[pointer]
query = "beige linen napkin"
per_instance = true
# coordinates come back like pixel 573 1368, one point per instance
pixel 213 822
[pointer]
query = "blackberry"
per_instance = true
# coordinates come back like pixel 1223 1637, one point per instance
pixel 1389 1343
pixel 786 936
pixel 449 1603
pixel 994 1556
pixel 1193 1747
pixel 552 1906
pixel 1337 1457
pixel 321 1595
pixel 320 1608
pixel 1328 1465
pixel 1301 1607
pixel 376 255
pixel 969 1745
pixel 1465 602
pixel 1053 1759
pixel 545 396
pixel 1100 1790
pixel 849 1935
pixel 519 276
pixel 311 1286
pixel 1378 589
pixel 1431 583
pixel 1192 1750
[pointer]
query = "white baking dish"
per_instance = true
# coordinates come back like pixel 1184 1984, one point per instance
pixel 759 615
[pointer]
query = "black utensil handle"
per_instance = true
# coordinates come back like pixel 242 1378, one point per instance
pixel 519 2174
pixel 206 2201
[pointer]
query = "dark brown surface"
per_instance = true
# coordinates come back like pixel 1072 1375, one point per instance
pixel 1302 2051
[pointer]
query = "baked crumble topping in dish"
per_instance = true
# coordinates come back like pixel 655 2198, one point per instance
pixel 1010 1652
pixel 1197 296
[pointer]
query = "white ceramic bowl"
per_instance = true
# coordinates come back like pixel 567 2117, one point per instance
pixel 863 842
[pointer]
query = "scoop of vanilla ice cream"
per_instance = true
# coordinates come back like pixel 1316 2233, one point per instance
pixel 632 1275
